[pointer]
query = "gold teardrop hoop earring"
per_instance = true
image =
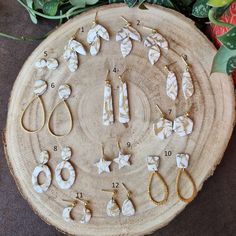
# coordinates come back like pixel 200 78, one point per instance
pixel 40 87
pixel 64 93
pixel 182 164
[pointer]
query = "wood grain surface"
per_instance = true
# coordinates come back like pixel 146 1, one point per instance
pixel 212 110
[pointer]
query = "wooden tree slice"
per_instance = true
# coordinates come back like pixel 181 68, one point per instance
pixel 212 110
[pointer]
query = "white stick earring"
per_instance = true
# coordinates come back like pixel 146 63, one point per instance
pixel 64 93
pixel 187 82
pixel 124 35
pixel 128 206
pixel 171 84
pixel 153 42
pixel 42 167
pixel 102 164
pixel 123 159
pixel 72 48
pixel 112 208
pixel 93 37
pixel 124 115
pixel 107 116
pixel 65 164
pixel 40 87
pixel 163 127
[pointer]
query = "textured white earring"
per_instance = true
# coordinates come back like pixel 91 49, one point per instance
pixel 124 35
pixel 102 164
pixel 128 206
pixel 50 63
pixel 112 208
pixel 42 167
pixel 65 164
pixel 123 159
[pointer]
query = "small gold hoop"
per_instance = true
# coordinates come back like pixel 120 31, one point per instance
pixel 52 132
pixel 165 189
pixel 23 114
pixel 187 174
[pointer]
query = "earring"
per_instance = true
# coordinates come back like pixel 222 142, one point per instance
pixel 50 63
pixel 102 164
pixel 183 125
pixel 87 214
pixel 108 116
pixel 123 101
pixel 125 34
pixel 65 164
pixel 128 206
pixel 113 208
pixel 122 160
pixel 153 42
pixel 182 164
pixel 171 84
pixel 153 165
pixel 93 37
pixel 40 87
pixel 72 48
pixel 187 82
pixel 42 167
pixel 163 127
pixel 64 93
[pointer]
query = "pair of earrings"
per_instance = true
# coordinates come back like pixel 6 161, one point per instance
pixel 43 168
pixel 122 160
pixel 154 41
pixel 40 87
pixel 49 63
pixel 87 214
pixel 182 126
pixel 108 111
pixel 113 209
pixel 153 163
pixel 172 85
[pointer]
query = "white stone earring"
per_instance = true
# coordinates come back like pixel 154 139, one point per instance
pixel 128 206
pixel 50 63
pixel 107 116
pixel 124 35
pixel 123 159
pixel 124 115
pixel 163 127
pixel 112 208
pixel 72 48
pixel 171 84
pixel 102 164
pixel 65 164
pixel 187 82
pixel 42 167
pixel 93 37
pixel 153 42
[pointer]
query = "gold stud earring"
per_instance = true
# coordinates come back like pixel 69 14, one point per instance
pixel 112 207
pixel 40 87
pixel 182 163
pixel 153 165
pixel 64 93
pixel 128 206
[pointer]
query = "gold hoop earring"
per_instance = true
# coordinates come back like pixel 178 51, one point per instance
pixel 182 164
pixel 64 93
pixel 153 164
pixel 40 87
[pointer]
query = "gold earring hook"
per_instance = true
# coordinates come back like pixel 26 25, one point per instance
pixel 121 75
pixel 149 28
pixel 185 58
pixel 73 203
pixel 103 153
pixel 95 18
pixel 112 191
pixel 107 80
pixel 118 145
pixel 126 21
pixel 159 109
pixel 167 66
pixel 127 190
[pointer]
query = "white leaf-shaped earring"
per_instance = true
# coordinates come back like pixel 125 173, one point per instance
pixel 65 164
pixel 123 159
pixel 153 42
pixel 124 35
pixel 187 82
pixel 72 48
pixel 112 208
pixel 96 32
pixel 42 167
pixel 163 127
pixel 128 208
pixel 171 84
pixel 102 164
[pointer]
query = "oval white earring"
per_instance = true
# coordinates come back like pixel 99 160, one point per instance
pixel 43 159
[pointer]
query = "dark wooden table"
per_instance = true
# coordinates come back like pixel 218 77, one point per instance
pixel 212 213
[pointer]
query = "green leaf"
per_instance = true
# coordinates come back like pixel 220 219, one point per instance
pixel 38 4
pixel 219 3
pixel 33 18
pixel 185 2
pixel 78 3
pixel 91 2
pixel 200 9
pixel 229 39
pixel 115 1
pixel 50 7
pixel 164 3
pixel 224 61
pixel 130 3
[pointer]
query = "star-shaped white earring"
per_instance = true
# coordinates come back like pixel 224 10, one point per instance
pixel 122 160
pixel 102 164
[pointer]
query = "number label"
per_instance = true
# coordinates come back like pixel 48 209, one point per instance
pixel 79 195
pixel 55 148
pixel 52 85
pixel 45 53
pixel 115 185
pixel 128 144
pixel 168 153
pixel 138 22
